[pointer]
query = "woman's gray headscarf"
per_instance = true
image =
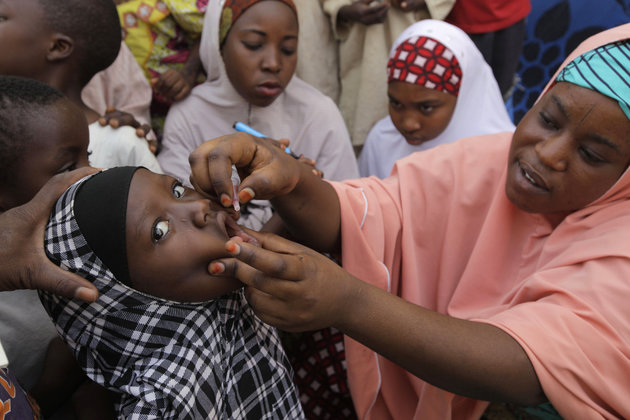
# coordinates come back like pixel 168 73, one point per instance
pixel 168 360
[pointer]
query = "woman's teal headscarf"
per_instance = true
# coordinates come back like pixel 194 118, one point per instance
pixel 606 70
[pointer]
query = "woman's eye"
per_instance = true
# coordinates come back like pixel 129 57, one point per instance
pixel 547 121
pixel 178 190
pixel 589 156
pixel 159 231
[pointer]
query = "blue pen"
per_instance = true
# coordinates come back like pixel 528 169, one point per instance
pixel 239 126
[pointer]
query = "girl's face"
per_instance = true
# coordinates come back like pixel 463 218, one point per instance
pixel 172 235
pixel 567 151
pixel 420 114
pixel 260 51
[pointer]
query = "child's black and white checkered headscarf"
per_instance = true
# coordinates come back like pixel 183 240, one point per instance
pixel 167 360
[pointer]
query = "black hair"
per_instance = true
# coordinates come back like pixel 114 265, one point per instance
pixel 20 100
pixel 94 27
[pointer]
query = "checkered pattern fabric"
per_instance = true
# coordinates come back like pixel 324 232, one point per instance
pixel 319 361
pixel 167 360
pixel 426 62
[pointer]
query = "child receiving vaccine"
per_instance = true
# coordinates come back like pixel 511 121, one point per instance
pixel 169 339
pixel 440 89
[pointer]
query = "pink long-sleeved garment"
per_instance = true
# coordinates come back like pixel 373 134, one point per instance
pixel 441 233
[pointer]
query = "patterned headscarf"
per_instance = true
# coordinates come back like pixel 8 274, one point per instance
pixel 233 9
pixel 166 359
pixel 606 70
pixel 424 61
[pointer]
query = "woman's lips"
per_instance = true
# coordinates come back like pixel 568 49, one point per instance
pixel 532 176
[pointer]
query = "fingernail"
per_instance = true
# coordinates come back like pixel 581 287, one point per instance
pixel 226 201
pixel 233 248
pixel 246 195
pixel 216 268
pixel 86 294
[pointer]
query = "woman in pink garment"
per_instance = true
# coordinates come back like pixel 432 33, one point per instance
pixel 491 269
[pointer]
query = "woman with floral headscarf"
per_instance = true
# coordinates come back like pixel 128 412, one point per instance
pixel 490 269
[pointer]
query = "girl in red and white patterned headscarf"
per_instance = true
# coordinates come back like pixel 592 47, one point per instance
pixel 440 89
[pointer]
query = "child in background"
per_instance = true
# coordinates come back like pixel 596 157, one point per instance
pixel 365 30
pixel 163 36
pixel 42 133
pixel 171 340
pixel 440 89
pixel 65 44
pixel 249 51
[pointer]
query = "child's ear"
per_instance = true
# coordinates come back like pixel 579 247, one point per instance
pixel 60 48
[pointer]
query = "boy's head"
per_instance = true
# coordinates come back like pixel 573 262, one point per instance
pixel 43 35
pixel 42 133
pixel 258 41
pixel 155 235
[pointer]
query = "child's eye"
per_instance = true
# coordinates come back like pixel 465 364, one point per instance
pixel 288 51
pixel 251 46
pixel 427 109
pixel 159 230
pixel 178 190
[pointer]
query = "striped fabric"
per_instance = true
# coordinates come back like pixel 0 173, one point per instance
pixel 605 70
pixel 167 360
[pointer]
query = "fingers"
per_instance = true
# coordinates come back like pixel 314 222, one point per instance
pixel 43 201
pixel 172 85
pixel 66 284
pixel 211 165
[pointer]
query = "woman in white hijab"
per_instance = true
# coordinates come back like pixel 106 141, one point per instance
pixel 440 89
pixel 256 42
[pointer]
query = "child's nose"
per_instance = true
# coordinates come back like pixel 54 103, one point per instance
pixel 411 122
pixel 200 212
pixel 271 60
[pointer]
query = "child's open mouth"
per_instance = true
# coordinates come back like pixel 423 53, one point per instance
pixel 270 89
pixel 232 229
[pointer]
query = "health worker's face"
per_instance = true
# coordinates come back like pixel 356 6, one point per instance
pixel 172 235
pixel 24 38
pixel 420 114
pixel 260 51
pixel 567 151
pixel 58 142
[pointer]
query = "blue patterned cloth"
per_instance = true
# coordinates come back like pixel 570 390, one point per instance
pixel 554 29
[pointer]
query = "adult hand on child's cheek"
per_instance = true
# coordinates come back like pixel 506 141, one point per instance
pixel 173 85
pixel 117 118
pixel 367 12
pixel 23 262
pixel 266 170
pixel 289 285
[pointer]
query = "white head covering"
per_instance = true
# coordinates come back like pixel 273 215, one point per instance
pixel 479 109
pixel 302 114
